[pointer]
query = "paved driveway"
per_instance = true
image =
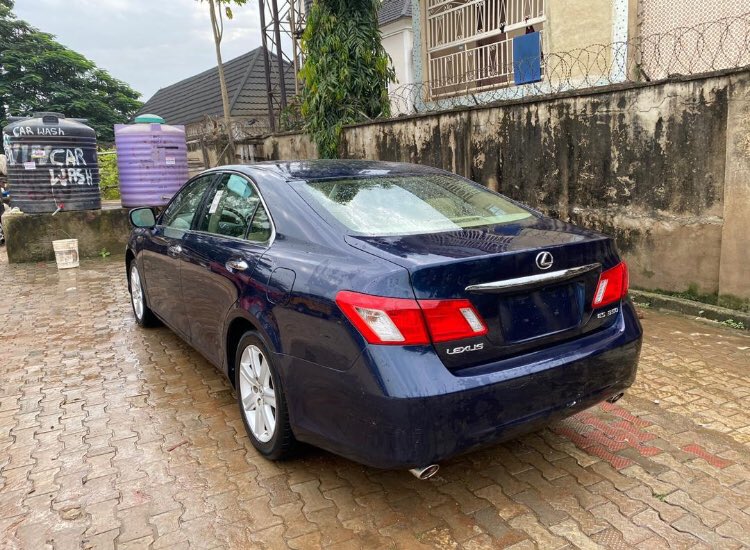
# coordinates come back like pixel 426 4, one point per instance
pixel 112 436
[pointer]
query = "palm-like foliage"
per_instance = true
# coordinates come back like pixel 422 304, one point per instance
pixel 346 71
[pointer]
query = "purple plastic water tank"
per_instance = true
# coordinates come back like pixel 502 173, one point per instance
pixel 152 161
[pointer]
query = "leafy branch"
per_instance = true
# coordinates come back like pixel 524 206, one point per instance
pixel 346 71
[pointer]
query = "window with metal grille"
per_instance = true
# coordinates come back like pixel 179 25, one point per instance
pixel 469 43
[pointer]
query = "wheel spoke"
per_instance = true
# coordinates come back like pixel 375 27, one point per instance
pixel 265 375
pixel 246 360
pixel 257 361
pixel 267 426
pixel 245 374
pixel 270 398
pixel 270 420
pixel 258 426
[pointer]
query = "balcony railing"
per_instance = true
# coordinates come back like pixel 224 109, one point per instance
pixel 471 70
pixel 470 42
pixel 455 22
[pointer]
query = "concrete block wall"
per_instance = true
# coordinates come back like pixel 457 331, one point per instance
pixel 664 167
pixel 28 237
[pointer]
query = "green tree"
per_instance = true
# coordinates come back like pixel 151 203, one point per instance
pixel 37 73
pixel 109 174
pixel 217 28
pixel 346 71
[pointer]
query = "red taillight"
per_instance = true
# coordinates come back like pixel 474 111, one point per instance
pixel 384 320
pixel 452 320
pixel 400 321
pixel 612 287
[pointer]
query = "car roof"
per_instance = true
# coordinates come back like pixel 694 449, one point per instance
pixel 332 169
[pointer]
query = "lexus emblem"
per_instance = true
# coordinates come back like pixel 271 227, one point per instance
pixel 544 260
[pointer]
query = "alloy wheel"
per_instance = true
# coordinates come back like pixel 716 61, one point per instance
pixel 136 292
pixel 257 394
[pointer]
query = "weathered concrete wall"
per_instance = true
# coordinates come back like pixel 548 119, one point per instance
pixel 663 167
pixel 28 237
pixel 644 164
pixel 289 147
pixel 734 273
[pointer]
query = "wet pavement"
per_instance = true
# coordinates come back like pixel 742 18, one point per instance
pixel 114 436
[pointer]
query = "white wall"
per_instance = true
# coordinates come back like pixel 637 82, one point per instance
pixel 398 41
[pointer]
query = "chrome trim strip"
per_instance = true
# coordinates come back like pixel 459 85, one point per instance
pixel 264 244
pixel 498 287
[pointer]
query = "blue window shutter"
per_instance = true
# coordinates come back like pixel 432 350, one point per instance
pixel 527 58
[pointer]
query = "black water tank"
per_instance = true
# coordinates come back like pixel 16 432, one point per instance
pixel 52 164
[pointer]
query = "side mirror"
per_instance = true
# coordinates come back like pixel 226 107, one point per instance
pixel 143 218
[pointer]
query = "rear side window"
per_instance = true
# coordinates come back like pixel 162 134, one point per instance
pixel 234 209
pixel 404 205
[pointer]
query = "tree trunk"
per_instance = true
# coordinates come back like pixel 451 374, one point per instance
pixel 222 81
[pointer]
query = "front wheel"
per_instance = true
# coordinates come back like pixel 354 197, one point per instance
pixel 262 400
pixel 143 315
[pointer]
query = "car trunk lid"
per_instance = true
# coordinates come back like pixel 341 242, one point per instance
pixel 532 282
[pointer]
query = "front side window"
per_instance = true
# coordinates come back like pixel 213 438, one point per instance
pixel 179 214
pixel 405 205
pixel 235 210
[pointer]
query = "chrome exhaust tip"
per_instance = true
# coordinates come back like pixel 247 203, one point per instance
pixel 615 398
pixel 425 472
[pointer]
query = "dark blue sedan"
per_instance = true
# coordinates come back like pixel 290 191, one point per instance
pixel 394 314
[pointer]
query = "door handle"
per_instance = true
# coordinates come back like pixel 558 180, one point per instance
pixel 236 265
pixel 175 250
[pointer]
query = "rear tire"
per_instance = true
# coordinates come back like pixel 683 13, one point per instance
pixel 261 399
pixel 143 314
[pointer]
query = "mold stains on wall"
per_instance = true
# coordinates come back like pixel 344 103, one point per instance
pixel 607 151
pixel 647 164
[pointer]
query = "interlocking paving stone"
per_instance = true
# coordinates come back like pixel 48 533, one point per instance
pixel 117 437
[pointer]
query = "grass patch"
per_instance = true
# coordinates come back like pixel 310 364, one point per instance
pixel 693 294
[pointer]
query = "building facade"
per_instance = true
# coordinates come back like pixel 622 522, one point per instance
pixel 469 51
pixel 466 48
pixel 698 36
pixel 397 34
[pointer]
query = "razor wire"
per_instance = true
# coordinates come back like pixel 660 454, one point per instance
pixel 717 45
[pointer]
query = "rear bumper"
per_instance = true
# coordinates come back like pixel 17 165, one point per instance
pixel 400 407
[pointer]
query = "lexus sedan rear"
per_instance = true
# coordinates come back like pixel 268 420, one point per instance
pixel 394 314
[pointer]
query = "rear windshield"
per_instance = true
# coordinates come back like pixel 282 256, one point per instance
pixel 405 205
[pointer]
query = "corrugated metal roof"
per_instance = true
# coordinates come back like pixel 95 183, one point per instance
pixel 190 100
